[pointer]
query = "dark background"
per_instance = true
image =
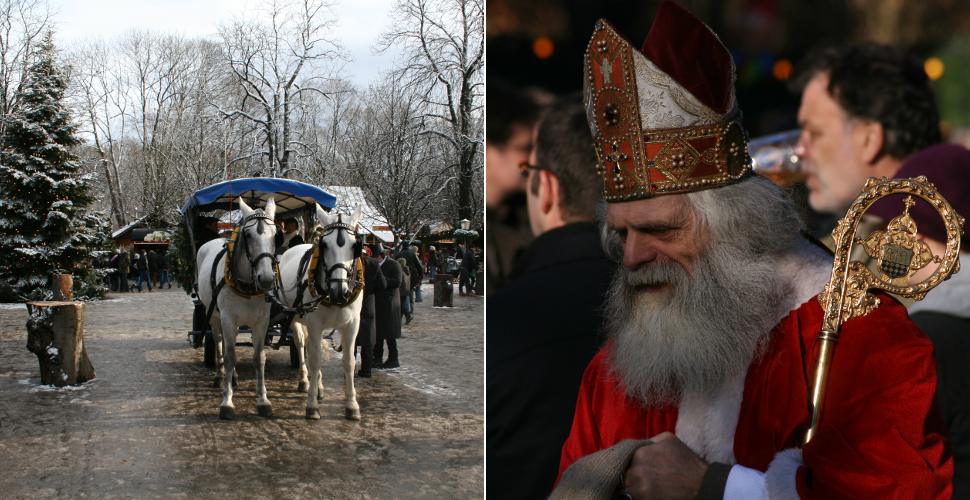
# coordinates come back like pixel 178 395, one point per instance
pixel 763 35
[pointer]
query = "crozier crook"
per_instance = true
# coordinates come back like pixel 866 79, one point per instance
pixel 899 255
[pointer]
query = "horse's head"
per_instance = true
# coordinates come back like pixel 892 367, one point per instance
pixel 257 243
pixel 338 249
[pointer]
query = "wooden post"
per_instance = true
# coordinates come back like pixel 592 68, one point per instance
pixel 62 285
pixel 55 333
pixel 443 290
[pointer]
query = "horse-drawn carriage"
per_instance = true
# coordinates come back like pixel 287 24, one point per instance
pixel 239 277
pixel 212 212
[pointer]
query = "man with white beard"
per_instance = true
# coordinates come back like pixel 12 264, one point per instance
pixel 703 388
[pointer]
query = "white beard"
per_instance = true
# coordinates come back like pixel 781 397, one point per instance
pixel 700 331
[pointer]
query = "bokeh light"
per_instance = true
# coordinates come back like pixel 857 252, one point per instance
pixel 543 47
pixel 933 67
pixel 782 69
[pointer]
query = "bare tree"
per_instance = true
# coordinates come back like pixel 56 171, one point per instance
pixel 101 103
pixel 444 43
pixel 22 26
pixel 270 63
pixel 391 157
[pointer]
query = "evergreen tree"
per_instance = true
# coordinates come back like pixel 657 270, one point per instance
pixel 44 227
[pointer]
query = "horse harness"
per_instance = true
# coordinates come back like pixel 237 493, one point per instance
pixel 309 265
pixel 243 289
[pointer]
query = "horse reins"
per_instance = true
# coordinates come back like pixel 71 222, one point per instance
pixel 261 219
pixel 239 237
pixel 308 265
pixel 340 227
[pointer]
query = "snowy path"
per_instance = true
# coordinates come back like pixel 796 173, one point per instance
pixel 148 426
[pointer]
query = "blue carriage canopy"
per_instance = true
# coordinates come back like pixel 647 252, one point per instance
pixel 289 194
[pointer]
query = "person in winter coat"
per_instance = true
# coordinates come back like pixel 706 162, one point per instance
pixel 432 262
pixel 388 305
pixel 153 267
pixel 413 263
pixel 374 283
pixel 405 288
pixel 144 270
pixel 468 269
pixel 164 267
pixel 124 267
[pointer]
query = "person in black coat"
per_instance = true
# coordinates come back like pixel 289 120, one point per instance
pixel 374 283
pixel 153 267
pixel 388 305
pixel 416 271
pixel 469 267
pixel 543 326
pixel 406 305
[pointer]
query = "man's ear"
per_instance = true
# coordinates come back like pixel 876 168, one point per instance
pixel 548 191
pixel 873 139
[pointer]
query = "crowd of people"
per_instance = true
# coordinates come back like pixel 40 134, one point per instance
pixel 662 299
pixel 138 269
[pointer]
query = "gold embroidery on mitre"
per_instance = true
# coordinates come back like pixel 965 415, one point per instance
pixel 634 163
pixel 613 112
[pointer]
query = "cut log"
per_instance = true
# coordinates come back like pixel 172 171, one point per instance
pixel 443 290
pixel 55 333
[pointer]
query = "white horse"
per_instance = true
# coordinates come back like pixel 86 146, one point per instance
pixel 334 291
pixel 240 300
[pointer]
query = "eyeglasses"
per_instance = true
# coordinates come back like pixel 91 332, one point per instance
pixel 525 166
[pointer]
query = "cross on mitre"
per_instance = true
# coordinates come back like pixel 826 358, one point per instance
pixel 616 157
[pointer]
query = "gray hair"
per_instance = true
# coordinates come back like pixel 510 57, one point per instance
pixel 754 215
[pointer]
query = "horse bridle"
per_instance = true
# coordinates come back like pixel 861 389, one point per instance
pixel 340 227
pixel 260 218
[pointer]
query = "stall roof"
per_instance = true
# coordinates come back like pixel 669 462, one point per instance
pixel 289 194
pixel 121 232
pixel 351 197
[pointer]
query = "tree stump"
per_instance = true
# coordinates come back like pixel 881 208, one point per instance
pixel 443 290
pixel 55 333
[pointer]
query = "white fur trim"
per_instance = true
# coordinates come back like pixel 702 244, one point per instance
pixel 745 484
pixel 780 477
pixel 706 423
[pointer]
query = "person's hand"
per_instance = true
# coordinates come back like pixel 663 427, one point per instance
pixel 667 469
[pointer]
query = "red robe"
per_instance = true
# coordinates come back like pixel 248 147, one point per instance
pixel 880 434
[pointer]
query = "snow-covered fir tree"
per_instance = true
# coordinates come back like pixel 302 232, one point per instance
pixel 44 225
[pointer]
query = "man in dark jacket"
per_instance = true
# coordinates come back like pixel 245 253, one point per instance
pixel 124 267
pixel 469 266
pixel 144 270
pixel 388 305
pixel 543 325
pixel 416 271
pixel 153 267
pixel 374 283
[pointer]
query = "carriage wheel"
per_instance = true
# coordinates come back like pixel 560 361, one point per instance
pixel 209 350
pixel 294 356
pixel 198 320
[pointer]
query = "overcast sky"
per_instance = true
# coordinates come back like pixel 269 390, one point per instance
pixel 360 23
